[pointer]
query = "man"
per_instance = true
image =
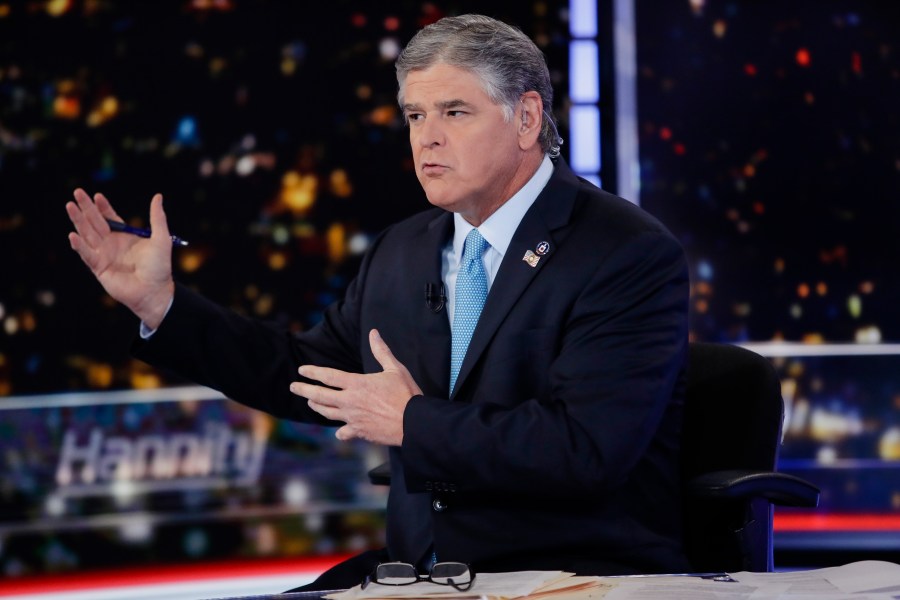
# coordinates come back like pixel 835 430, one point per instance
pixel 542 434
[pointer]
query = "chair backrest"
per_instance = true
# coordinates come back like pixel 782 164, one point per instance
pixel 732 420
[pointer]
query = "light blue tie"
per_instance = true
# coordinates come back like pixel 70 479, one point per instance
pixel 471 292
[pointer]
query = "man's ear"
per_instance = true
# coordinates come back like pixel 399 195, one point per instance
pixel 529 113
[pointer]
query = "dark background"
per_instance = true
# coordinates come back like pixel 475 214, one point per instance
pixel 768 144
pixel 300 91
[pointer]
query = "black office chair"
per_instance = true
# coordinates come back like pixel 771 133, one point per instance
pixel 732 433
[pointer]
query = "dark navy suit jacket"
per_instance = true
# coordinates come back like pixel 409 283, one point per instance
pixel 559 447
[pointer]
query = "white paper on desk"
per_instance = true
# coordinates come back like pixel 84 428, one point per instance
pixel 693 588
pixel 793 583
pixel 866 576
pixel 675 588
pixel 493 585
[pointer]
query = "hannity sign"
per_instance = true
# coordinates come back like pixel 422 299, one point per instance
pixel 133 461
pixel 215 455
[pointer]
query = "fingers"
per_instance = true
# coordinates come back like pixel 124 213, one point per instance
pixel 80 213
pixel 330 377
pixel 370 405
pixel 89 216
pixel 382 353
pixel 317 394
pixel 84 252
pixel 329 412
pixel 159 226
pixel 75 216
pixel 106 208
pixel 324 400
pixel 91 212
pixel 390 364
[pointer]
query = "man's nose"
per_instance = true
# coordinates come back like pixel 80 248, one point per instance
pixel 431 133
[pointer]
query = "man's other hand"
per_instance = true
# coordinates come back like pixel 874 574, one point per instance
pixel 370 405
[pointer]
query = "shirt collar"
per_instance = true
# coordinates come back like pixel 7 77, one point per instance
pixel 499 228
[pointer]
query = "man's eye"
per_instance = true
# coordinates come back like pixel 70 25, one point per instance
pixel 455 113
pixel 414 117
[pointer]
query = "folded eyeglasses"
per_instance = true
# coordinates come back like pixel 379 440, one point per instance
pixel 456 574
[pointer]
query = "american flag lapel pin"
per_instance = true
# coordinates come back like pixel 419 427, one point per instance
pixel 532 257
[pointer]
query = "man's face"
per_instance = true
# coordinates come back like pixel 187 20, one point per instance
pixel 467 155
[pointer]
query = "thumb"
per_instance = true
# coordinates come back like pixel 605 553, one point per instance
pixel 381 352
pixel 158 224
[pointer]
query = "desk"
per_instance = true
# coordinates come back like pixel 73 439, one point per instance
pixel 869 580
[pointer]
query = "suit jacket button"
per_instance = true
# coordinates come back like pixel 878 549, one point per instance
pixel 439 505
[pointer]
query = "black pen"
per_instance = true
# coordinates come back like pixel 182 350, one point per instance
pixel 145 233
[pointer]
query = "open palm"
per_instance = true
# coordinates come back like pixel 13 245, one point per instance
pixel 135 271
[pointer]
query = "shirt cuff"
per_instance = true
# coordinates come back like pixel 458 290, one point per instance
pixel 146 332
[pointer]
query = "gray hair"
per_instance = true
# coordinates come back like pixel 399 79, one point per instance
pixel 501 56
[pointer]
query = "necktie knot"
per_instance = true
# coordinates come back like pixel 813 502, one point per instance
pixel 473 248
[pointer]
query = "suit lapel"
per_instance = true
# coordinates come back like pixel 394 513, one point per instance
pixel 551 210
pixel 434 330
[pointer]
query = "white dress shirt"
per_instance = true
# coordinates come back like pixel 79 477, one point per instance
pixel 497 230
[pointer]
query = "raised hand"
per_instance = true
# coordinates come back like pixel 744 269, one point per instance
pixel 135 271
